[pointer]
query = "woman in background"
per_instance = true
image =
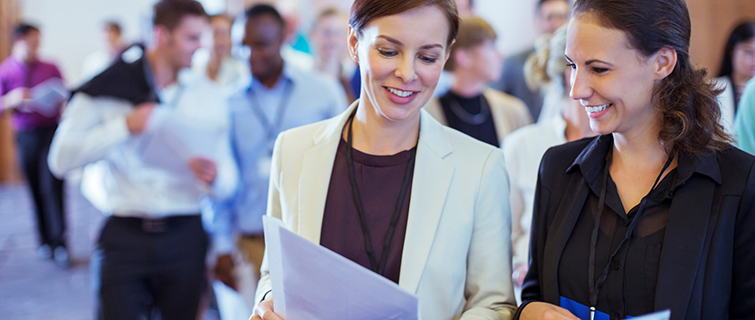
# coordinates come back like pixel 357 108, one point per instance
pixel 737 67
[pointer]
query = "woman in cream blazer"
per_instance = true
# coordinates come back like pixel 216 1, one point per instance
pixel 455 252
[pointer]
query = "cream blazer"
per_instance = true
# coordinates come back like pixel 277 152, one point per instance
pixel 509 113
pixel 457 249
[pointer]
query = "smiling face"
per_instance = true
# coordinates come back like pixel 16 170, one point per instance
pixel 612 80
pixel 180 43
pixel 400 59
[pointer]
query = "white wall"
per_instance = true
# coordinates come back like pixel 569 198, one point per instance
pixel 72 29
pixel 513 20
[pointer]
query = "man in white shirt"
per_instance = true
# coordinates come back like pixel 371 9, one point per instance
pixel 145 138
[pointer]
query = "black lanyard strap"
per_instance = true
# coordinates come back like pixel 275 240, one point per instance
pixel 378 268
pixel 595 287
pixel 272 126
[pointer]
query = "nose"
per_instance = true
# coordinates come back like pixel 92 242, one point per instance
pixel 405 70
pixel 580 87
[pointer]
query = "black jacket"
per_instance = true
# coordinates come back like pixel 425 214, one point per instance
pixel 707 267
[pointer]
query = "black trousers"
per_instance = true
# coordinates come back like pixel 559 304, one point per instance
pixel 46 190
pixel 150 269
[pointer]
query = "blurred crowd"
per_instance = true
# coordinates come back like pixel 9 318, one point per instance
pixel 175 139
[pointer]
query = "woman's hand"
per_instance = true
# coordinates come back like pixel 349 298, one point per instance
pixel 264 311
pixel 542 310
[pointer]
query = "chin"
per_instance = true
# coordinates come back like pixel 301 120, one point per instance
pixel 396 113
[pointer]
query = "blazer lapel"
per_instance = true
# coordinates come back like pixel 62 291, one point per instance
pixel 432 179
pixel 562 226
pixel 314 179
pixel 683 245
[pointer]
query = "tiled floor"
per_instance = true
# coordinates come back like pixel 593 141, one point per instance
pixel 36 289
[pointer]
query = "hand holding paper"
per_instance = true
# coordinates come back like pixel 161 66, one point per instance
pixel 312 282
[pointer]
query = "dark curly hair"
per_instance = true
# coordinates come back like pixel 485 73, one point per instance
pixel 686 99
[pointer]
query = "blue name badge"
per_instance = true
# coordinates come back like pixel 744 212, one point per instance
pixel 580 310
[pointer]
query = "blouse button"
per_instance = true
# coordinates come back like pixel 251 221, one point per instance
pixel 616 265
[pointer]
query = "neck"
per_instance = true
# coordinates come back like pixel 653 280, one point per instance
pixel 740 80
pixel 373 134
pixel 213 65
pixel 271 80
pixel 467 85
pixel 577 122
pixel 163 73
pixel 639 147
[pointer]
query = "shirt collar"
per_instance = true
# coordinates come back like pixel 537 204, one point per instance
pixel 592 159
pixel 286 75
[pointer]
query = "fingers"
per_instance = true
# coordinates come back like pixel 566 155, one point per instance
pixel 205 170
pixel 265 310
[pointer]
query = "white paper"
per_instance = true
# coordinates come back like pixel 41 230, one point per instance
pixel 660 315
pixel 312 282
pixel 47 96
pixel 230 304
pixel 170 141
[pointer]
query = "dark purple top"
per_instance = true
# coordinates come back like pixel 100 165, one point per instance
pixel 15 74
pixel 379 179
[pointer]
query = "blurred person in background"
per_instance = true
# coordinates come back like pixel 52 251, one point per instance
pixel 19 75
pixel 280 96
pixel 470 106
pixel 744 124
pixel 217 63
pixel 524 148
pixel 150 255
pixel 331 56
pixel 549 15
pixel 737 67
pixel 97 61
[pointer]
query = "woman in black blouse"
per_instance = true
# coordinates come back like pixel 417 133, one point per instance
pixel 658 211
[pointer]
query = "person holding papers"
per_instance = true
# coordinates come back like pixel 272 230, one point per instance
pixel 658 211
pixel 388 187
pixel 22 75
pixel 150 256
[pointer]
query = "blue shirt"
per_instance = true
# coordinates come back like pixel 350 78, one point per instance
pixel 744 122
pixel 258 115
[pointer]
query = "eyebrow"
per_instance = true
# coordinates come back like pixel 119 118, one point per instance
pixel 589 62
pixel 399 43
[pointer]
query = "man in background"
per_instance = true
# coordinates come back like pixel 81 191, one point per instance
pixel 549 15
pixel 279 97
pixel 217 63
pixel 35 126
pixel 153 146
pixel 97 61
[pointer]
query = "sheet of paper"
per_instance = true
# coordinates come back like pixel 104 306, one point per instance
pixel 312 282
pixel 171 141
pixel 660 315
pixel 47 96
pixel 230 304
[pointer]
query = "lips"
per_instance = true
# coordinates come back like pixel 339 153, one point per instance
pixel 595 112
pixel 399 96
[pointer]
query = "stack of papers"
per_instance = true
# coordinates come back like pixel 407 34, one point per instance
pixel 171 141
pixel 47 96
pixel 312 282
pixel 660 315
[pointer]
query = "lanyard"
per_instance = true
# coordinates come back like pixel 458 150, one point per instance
pixel 595 287
pixel 377 268
pixel 272 126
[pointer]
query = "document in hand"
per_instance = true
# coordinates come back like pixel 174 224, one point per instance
pixel 660 315
pixel 170 141
pixel 310 282
pixel 47 96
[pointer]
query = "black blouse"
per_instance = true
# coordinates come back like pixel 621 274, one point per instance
pixel 379 179
pixel 630 287
pixel 471 116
